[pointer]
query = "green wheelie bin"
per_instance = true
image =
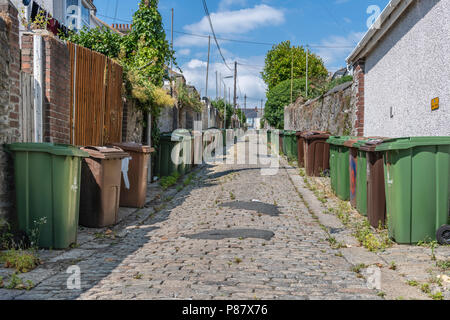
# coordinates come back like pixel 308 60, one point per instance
pixel 182 150
pixel 417 183
pixel 339 166
pixel 47 178
pixel 165 164
pixel 290 145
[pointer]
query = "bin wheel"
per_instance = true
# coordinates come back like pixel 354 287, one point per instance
pixel 443 235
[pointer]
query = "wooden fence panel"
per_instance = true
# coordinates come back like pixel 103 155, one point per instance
pixel 26 112
pixel 96 98
pixel 114 104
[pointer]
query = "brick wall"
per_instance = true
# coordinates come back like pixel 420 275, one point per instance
pixel 358 91
pixel 9 101
pixel 56 106
pixel 57 91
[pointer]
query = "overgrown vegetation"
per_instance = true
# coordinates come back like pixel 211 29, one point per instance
pixel 285 62
pixel 20 260
pixel 169 181
pixel 144 54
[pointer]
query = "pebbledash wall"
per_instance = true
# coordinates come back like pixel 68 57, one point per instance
pixel 336 112
pixel 9 101
pixel 408 68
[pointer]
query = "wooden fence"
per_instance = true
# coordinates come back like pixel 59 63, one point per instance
pixel 96 98
pixel 26 112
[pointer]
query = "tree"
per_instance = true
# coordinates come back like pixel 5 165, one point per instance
pixel 279 61
pixel 220 105
pixel 280 96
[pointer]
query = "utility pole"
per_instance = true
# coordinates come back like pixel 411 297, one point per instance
pixel 245 101
pixel 307 69
pixel 207 66
pixel 292 75
pixel 217 87
pixel 235 80
pixel 171 60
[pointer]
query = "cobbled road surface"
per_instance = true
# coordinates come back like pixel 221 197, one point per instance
pixel 232 234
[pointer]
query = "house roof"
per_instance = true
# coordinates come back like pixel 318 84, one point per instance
pixel 251 113
pixel 383 24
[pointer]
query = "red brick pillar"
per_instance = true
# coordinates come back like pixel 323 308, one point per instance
pixel 56 70
pixel 358 79
pixel 57 91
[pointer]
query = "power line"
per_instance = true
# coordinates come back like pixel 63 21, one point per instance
pixel 115 12
pixel 236 40
pixel 214 34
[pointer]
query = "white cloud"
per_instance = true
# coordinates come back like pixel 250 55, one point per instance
pixel 239 21
pixel 338 48
pixel 236 22
pixel 184 52
pixel 250 82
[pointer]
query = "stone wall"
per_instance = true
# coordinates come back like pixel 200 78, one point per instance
pixel 9 101
pixel 133 123
pixel 334 112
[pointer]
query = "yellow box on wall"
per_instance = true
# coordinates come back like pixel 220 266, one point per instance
pixel 435 104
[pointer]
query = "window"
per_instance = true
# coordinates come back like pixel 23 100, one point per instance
pixel 77 14
pixel 85 16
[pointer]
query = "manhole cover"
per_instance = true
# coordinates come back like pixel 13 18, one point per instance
pixel 233 233
pixel 259 207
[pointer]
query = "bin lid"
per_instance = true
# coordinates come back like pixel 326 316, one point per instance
pixel 134 147
pixel 339 140
pixel 180 135
pixel 411 142
pixel 371 144
pixel 315 135
pixel 351 143
pixel 290 133
pixel 52 148
pixel 106 153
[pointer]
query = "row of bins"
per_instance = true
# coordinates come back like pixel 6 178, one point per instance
pixel 66 186
pixel 401 182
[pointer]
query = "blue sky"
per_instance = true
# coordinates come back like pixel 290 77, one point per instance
pixel 336 25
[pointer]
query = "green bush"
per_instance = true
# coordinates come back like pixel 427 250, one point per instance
pixel 169 181
pixel 22 261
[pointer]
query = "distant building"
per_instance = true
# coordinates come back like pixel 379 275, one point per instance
pixel 254 117
pixel 340 74
pixel 402 68
pixel 63 14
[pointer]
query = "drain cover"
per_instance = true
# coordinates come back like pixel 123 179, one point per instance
pixel 233 233
pixel 259 207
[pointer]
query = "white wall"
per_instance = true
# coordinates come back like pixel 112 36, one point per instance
pixel 409 67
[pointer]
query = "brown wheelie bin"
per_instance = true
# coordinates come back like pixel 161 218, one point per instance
pixel 280 138
pixel 133 189
pixel 376 195
pixel 100 186
pixel 316 152
pixel 300 149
